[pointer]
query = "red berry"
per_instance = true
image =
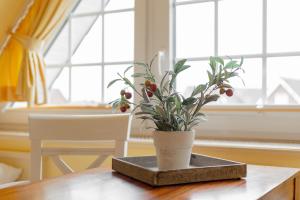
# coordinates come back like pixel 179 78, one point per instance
pixel 123 109
pixel 153 87
pixel 128 95
pixel 229 92
pixel 122 92
pixel 147 83
pixel 150 94
pixel 222 90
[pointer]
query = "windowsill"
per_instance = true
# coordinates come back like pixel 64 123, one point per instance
pixel 246 123
pixel 208 108
pixel 252 108
pixel 272 146
pixel 62 107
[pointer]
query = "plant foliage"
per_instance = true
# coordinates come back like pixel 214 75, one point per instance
pixel 170 110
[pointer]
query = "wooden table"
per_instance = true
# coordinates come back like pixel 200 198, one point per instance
pixel 265 183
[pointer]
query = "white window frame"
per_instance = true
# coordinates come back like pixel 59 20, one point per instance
pixel 101 64
pixel 264 55
pixel 268 123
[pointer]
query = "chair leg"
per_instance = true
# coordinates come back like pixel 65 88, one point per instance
pixel 36 161
pixel 121 148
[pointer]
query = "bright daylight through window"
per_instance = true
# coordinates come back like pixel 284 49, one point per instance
pixel 94 44
pixel 264 32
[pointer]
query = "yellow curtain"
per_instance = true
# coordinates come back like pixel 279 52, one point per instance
pixel 22 76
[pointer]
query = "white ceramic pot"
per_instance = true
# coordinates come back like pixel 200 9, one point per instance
pixel 173 149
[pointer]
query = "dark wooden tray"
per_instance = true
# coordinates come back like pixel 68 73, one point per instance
pixel 202 168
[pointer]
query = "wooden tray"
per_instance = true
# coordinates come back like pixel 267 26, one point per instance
pixel 202 168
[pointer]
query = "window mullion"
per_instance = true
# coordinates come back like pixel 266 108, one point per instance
pixel 174 35
pixel 102 65
pixel 70 57
pixel 264 52
pixel 216 22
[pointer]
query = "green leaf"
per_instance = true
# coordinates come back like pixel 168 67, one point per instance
pixel 231 65
pixel 157 93
pixel 226 74
pixel 200 88
pixel 212 64
pixel 210 77
pixel 112 82
pixel 242 61
pixel 225 85
pixel 165 87
pixel 177 101
pixel 128 82
pixel 145 118
pixel 199 114
pixel 152 60
pixel 178 65
pixel 143 113
pixel 160 111
pixel 241 80
pixel 219 60
pixel 145 96
pixel 163 80
pixel 136 75
pixel 172 82
pixel 210 98
pixel 171 99
pixel 115 104
pixel 232 74
pixel 189 101
pixel 219 74
pixel 128 68
pixel 184 67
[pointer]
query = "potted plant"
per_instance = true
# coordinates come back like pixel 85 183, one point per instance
pixel 173 115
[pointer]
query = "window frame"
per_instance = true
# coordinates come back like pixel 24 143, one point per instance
pixel 224 121
pixel 264 55
pixel 68 64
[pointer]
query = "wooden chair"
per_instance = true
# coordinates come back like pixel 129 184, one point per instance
pixel 114 127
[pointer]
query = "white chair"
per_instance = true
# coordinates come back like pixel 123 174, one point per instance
pixel 114 127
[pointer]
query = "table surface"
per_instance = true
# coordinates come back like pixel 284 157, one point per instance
pixel 106 184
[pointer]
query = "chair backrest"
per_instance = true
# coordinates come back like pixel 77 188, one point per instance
pixel 76 128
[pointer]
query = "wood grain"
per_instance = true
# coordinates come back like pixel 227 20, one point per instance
pixel 202 168
pixel 265 183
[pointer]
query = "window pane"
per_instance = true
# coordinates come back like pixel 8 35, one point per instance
pixel 80 28
pixel 253 68
pixel 119 36
pixel 240 27
pixel 251 92
pixel 59 93
pixel 283 80
pixel 195 30
pixel 283 30
pixel 89 50
pixel 195 75
pixel 110 72
pixel 86 84
pixel 51 74
pixel 119 4
pixel 86 6
pixel 248 94
pixel 58 52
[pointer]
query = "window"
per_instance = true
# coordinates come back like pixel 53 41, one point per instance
pixel 264 32
pixel 95 43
